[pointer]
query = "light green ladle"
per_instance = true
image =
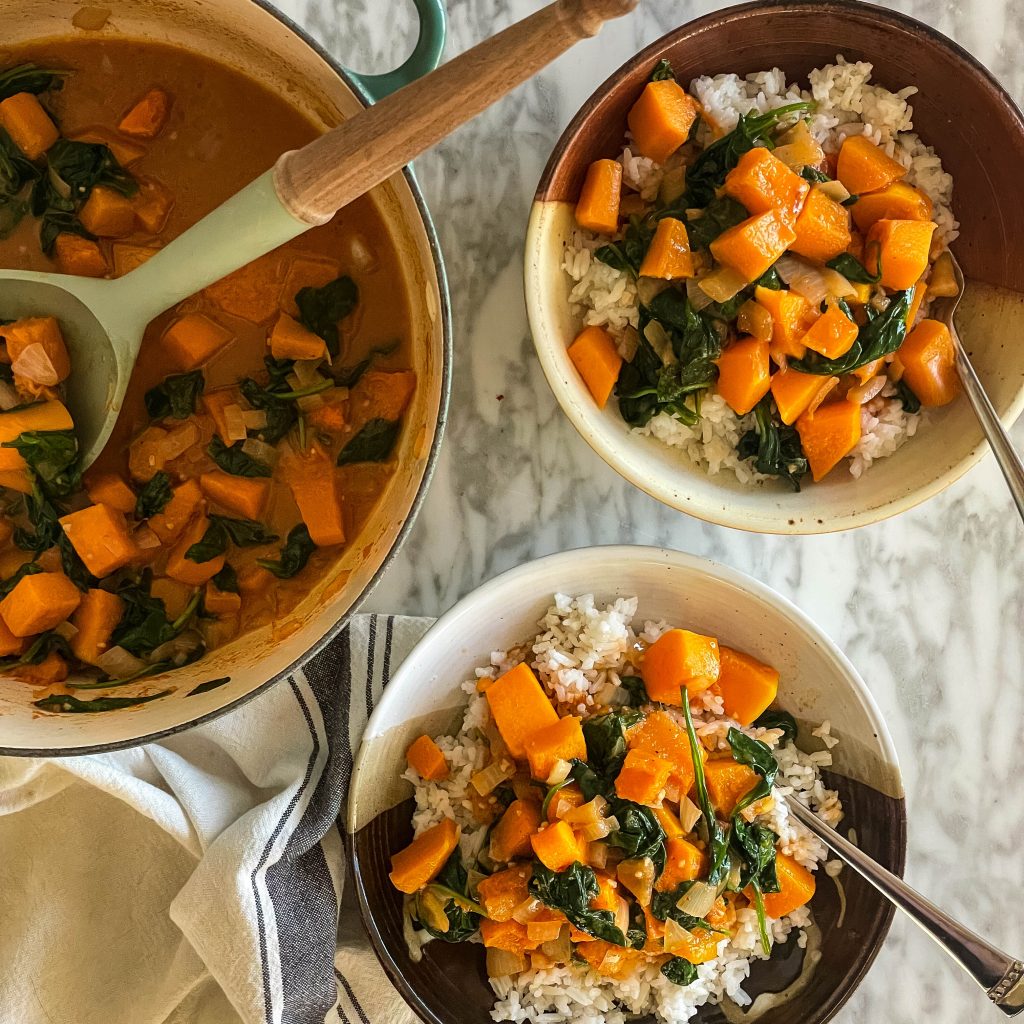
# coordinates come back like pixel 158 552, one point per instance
pixel 104 321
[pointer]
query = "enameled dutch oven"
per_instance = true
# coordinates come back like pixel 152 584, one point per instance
pixel 254 38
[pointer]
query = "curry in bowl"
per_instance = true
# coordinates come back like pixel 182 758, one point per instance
pixel 261 422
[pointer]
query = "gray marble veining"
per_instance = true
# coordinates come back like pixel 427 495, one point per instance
pixel 929 606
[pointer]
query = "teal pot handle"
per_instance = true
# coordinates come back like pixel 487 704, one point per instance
pixel 424 58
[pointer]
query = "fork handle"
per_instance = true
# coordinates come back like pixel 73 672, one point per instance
pixel 1000 975
pixel 999 440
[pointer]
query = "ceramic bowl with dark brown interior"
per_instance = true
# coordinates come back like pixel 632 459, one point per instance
pixel 448 984
pixel 959 109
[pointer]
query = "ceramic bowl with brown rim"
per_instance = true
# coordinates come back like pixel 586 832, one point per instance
pixel 977 131
pixel 448 985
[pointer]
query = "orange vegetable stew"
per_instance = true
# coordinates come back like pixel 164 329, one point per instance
pixel 619 834
pixel 261 421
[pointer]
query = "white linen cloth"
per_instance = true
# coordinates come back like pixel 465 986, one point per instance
pixel 199 879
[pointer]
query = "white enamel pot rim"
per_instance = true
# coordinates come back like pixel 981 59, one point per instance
pixel 240 32
pixel 419 683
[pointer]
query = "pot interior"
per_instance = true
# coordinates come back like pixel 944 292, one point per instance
pixel 244 36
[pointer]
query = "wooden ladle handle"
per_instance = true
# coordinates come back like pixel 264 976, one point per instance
pixel 314 182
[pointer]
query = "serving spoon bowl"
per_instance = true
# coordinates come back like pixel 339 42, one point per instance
pixel 104 320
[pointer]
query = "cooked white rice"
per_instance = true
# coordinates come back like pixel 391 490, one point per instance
pixel 847 104
pixel 578 653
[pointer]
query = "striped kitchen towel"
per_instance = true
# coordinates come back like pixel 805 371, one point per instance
pixel 199 879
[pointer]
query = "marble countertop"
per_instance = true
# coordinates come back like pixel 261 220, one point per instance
pixel 929 606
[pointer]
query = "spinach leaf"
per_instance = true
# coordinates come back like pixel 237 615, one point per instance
pixel 639 833
pixel 144 625
pixel 45 520
pixel 59 222
pixel 176 397
pixel 16 173
pixel 226 580
pixel 693 335
pixel 663 72
pixel 235 461
pixel 813 175
pixel 708 171
pixel 28 569
pixel 679 971
pixel 757 755
pixel 853 270
pixel 42 646
pixel 72 705
pixel 783 720
pixel 911 403
pixel 84 165
pixel 153 498
pixel 720 214
pixel 321 309
pixel 243 533
pixel 571 891
pixel 210 684
pixel 72 564
pixel 774 446
pixel 591 784
pixel 605 737
pixel 29 78
pixel 52 455
pixel 770 279
pixel 718 842
pixel 851 201
pixel 294 555
pixel 634 686
pixel 282 414
pixel 453 881
pixel 878 337
pixel 549 795
pixel 373 443
pixel 756 844
pixel 628 253
pixel 636 933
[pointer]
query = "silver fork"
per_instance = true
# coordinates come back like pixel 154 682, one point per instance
pixel 1002 447
pixel 1000 975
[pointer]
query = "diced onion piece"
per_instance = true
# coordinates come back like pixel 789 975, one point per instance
pixel 673 185
pixel 560 949
pixel 176 442
pixel 559 773
pixel 597 855
pixel 863 393
pixel 254 419
pixel 822 394
pixel 258 449
pixel 361 253
pixel 178 649
pixel 689 814
pixel 837 285
pixel 501 963
pixel 543 931
pixel 309 402
pixel 659 340
pixel 588 813
pixel 529 910
pixel 66 629
pixel 755 320
pixel 34 364
pixel 145 538
pixel 119 663
pixel 649 288
pixel 306 372
pixel 637 875
pixel 698 900
pixel 835 190
pixel 430 911
pixel 797 148
pixel 896 369
pixel 597 830
pixel 622 914
pixel 723 284
pixel 293 381
pixel 234 423
pixel 803 278
pixel 699 298
pixel 9 398
pixel 488 779
pixel 676 937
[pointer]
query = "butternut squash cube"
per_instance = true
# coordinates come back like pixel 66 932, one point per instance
pixel 753 245
pixel 107 213
pixel 147 116
pixel 864 167
pixel 30 127
pixel 560 741
pixel 762 182
pixel 96 618
pixel 421 861
pixel 679 658
pixel 38 603
pixel 598 206
pixel 747 686
pixel 520 707
pixel 79 256
pixel 194 339
pixel 661 119
pixel 595 356
pixel 100 536
pixel 822 228
pixel 743 374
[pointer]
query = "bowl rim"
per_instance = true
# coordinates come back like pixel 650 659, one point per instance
pixel 359 91
pixel 545 342
pixel 517 578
